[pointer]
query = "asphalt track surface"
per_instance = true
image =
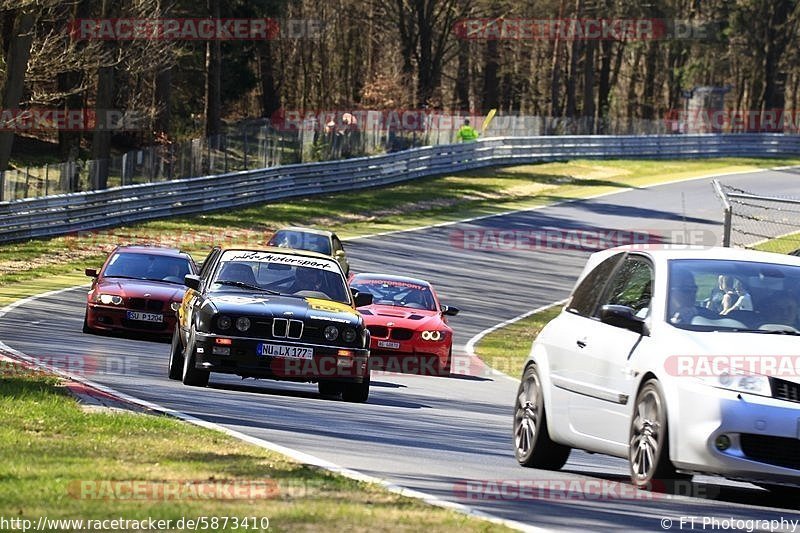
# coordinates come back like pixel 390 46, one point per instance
pixel 435 434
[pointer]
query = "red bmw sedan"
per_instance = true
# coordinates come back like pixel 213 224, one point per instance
pixel 138 290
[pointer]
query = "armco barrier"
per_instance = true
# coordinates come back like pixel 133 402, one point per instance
pixel 67 213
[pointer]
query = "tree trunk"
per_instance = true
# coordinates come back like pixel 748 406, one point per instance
pixel 213 99
pixel 588 87
pixel 162 91
pixel 19 51
pixel 270 98
pixel 489 95
pixel 461 91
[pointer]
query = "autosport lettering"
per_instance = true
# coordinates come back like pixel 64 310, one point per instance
pixel 266 257
pixel 391 283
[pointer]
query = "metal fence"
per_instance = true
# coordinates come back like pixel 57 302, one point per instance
pixel 263 143
pixel 66 213
pixel 755 220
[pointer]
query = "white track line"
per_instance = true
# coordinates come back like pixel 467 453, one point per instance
pixel 562 202
pixel 297 455
pixel 316 461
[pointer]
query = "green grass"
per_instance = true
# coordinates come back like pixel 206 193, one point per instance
pixel 51 451
pixel 403 206
pixel 781 245
pixel 507 348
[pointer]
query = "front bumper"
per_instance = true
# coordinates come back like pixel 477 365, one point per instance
pixel 409 357
pixel 763 435
pixel 241 357
pixel 114 318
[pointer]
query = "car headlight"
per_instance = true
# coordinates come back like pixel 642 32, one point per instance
pixel 175 306
pixel 224 322
pixel 243 324
pixel 348 334
pixel 331 332
pixel 432 335
pixel 110 299
pixel 740 382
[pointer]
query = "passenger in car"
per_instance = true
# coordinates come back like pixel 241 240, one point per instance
pixel 740 300
pixel 724 286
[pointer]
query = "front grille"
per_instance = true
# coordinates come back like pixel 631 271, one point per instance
pixel 283 328
pixel 144 304
pixel 380 332
pixel 785 390
pixel 402 334
pixel 778 451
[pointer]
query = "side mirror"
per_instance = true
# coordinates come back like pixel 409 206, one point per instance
pixel 622 316
pixel 192 281
pixel 449 310
pixel 339 253
pixel 91 272
pixel 362 298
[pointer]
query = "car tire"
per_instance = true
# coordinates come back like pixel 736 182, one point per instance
pixel 648 452
pixel 329 388
pixel 533 446
pixel 191 375
pixel 86 328
pixel 356 392
pixel 176 357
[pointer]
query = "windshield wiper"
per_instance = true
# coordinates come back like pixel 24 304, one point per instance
pixel 786 331
pixel 243 285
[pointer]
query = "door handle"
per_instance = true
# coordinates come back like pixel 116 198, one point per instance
pixel 581 344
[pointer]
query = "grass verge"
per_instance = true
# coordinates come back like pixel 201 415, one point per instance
pixel 403 206
pixel 506 349
pixel 781 245
pixel 58 461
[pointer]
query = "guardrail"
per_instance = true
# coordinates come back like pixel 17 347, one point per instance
pixel 69 213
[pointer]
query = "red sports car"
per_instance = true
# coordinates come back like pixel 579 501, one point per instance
pixel 138 290
pixel 407 324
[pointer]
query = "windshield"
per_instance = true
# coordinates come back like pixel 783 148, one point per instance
pixel 282 274
pixel 733 296
pixel 396 293
pixel 299 240
pixel 151 267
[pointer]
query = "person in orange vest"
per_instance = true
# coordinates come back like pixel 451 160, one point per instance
pixel 466 133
